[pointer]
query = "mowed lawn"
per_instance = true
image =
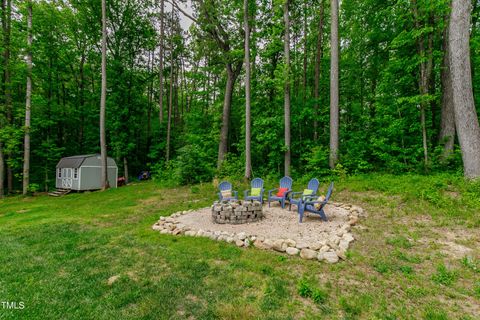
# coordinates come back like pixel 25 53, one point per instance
pixel 417 256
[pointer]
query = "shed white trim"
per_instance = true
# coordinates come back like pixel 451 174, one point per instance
pixel 109 167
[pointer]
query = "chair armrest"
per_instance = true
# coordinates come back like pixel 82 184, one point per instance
pixel 219 194
pixel 245 193
pixel 270 191
pixel 315 202
pixel 235 193
pixel 293 194
pixel 310 197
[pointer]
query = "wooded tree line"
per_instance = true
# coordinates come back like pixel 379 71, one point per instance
pixel 262 87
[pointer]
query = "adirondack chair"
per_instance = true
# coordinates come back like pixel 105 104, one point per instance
pixel 312 186
pixel 309 205
pixel 285 182
pixel 225 186
pixel 256 183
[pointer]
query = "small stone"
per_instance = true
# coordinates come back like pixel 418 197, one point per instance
pixel 330 257
pixel 190 233
pixel 184 212
pixel 353 221
pixel 301 245
pixel 162 218
pixel 343 245
pixel 348 237
pixel 290 243
pixel 278 245
pixel 176 232
pixel 292 251
pixel 259 244
pixel 268 244
pixel 157 227
pixel 341 254
pixel 324 248
pixel 315 246
pixel 239 243
pixel 247 242
pixel 207 234
pixel 308 254
pixel 112 279
pixel 241 236
pixel 229 239
pixel 165 231
pixel 200 233
pixel 253 238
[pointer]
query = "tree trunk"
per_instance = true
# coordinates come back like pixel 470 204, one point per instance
pixel 287 87
pixel 334 98
pixel 305 43
pixel 160 64
pixel 447 125
pixel 6 25
pixel 227 103
pixel 248 156
pixel 170 99
pixel 2 170
pixel 318 62
pixel 103 99
pixel 425 73
pixel 466 119
pixel 125 169
pixel 26 160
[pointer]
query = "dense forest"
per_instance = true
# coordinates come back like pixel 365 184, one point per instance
pixel 260 88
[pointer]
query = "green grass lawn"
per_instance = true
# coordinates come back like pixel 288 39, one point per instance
pixel 409 260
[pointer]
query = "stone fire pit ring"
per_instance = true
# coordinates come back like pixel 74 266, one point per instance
pixel 236 212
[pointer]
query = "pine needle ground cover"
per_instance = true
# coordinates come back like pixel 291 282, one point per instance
pixel 94 256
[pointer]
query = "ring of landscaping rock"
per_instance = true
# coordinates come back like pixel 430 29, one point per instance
pixel 331 249
pixel 236 212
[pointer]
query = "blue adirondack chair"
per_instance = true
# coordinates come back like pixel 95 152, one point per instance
pixel 309 205
pixel 256 183
pixel 312 185
pixel 224 186
pixel 285 182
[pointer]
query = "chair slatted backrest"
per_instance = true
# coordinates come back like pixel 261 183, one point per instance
pixel 225 185
pixel 286 182
pixel 313 185
pixel 257 183
pixel 329 192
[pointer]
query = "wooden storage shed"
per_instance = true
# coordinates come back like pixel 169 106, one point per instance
pixel 83 173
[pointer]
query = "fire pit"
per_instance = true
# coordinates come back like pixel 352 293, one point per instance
pixel 236 212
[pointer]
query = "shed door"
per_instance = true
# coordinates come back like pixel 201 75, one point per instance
pixel 67 178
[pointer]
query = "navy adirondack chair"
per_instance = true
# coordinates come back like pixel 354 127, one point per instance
pixel 309 206
pixel 312 185
pixel 256 183
pixel 225 186
pixel 285 182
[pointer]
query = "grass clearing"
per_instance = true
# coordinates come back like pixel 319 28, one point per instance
pixel 57 256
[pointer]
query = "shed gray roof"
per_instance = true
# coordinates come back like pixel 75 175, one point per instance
pixel 74 161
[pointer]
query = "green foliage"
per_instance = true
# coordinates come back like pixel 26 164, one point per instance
pixel 306 289
pixel 471 263
pixel 477 289
pixel 444 276
pixel 400 242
